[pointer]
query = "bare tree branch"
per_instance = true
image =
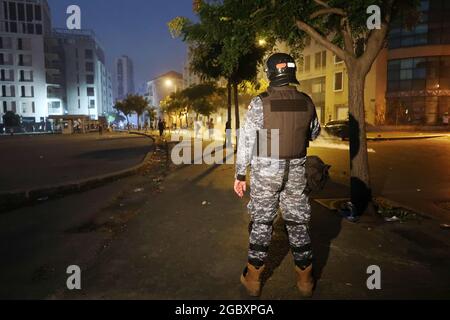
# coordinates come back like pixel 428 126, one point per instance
pixel 326 11
pixel 347 35
pixel 313 33
pixel 377 37
pixel 322 3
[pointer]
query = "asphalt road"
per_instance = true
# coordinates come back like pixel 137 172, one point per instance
pixel 33 161
pixel 164 243
pixel 412 172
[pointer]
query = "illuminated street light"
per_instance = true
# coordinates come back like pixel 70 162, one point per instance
pixel 169 83
pixel 262 42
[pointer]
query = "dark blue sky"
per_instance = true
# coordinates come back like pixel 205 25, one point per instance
pixel 137 28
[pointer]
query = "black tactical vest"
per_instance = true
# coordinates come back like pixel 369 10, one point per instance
pixel 290 113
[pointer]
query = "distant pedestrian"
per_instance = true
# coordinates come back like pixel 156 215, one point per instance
pixel 161 127
pixel 197 128
pixel 211 129
pixel 445 119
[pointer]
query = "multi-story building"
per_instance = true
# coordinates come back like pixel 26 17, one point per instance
pixel 124 77
pixel 324 77
pixel 46 72
pixel 24 24
pixel 162 86
pixel 418 68
pixel 87 88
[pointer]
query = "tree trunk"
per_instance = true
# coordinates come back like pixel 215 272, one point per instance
pixel 361 192
pixel 236 106
pixel 236 111
pixel 229 105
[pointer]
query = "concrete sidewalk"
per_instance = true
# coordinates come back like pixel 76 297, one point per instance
pixel 190 242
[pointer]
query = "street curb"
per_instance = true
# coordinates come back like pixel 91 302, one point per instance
pixel 405 138
pixel 18 198
pixel 143 134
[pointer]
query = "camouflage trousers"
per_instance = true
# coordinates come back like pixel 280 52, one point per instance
pixel 279 184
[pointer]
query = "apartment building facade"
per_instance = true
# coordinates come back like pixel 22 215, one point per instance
pixel 80 62
pixel 124 77
pixel 23 28
pixel 47 72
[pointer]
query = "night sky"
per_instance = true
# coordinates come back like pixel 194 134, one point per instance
pixel 137 28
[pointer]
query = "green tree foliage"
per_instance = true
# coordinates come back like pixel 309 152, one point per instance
pixel 10 119
pixel 138 104
pixel 124 108
pixel 132 103
pixel 223 43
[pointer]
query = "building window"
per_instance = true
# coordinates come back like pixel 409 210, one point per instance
pixel 30 28
pixel 79 104
pixel 6 59
pixel 37 13
pixel 91 104
pixel 5 107
pixel 30 12
pixel 78 91
pixel 6 75
pixel 21 11
pixel 24 107
pixel 8 91
pixel 320 60
pixel 89 67
pixel 90 79
pixel 89 54
pixel 5 43
pixel 337 60
pixel 12 11
pixel 416 74
pixel 26 75
pixel 90 92
pixel 39 29
pixel 33 107
pixel 27 91
pixel 338 81
pixel 25 60
pixel 307 63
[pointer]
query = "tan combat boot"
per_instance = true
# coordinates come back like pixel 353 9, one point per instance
pixel 251 280
pixel 305 281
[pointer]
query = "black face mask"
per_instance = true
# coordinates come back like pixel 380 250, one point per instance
pixel 284 80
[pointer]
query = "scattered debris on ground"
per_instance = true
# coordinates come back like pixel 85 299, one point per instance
pixel 393 212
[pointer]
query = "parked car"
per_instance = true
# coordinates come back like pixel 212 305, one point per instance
pixel 341 128
pixel 338 128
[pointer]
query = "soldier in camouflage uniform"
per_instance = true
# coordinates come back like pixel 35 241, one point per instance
pixel 277 181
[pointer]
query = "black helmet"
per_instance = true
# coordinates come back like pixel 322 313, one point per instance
pixel 281 70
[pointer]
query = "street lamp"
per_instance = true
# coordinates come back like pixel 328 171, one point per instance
pixel 170 84
pixel 262 42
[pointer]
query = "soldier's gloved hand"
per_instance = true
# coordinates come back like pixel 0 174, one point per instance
pixel 240 187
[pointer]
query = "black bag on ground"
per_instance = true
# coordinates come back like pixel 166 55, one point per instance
pixel 317 174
